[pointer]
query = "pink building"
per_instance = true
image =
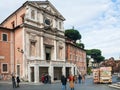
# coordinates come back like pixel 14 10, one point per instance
pixel 6 52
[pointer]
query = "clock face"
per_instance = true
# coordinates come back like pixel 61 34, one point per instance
pixel 47 21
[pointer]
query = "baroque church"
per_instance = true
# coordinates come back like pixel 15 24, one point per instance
pixel 35 43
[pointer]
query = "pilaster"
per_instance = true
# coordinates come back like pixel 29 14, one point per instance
pixel 42 48
pixel 36 76
pixel 51 73
pixel 29 74
pixel 72 69
pixel 63 71
pixel 55 50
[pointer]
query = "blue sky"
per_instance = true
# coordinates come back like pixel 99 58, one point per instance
pixel 98 21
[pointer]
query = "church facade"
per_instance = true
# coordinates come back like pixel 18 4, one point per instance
pixel 38 41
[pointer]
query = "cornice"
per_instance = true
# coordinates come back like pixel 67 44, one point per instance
pixel 50 31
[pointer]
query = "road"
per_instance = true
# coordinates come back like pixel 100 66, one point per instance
pixel 88 85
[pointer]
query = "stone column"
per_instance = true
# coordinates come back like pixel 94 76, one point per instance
pixel 63 71
pixel 42 48
pixel 29 74
pixel 38 47
pixel 36 76
pixel 51 73
pixel 55 50
pixel 72 69
pixel 75 70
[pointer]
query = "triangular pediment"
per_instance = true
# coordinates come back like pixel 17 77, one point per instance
pixel 46 5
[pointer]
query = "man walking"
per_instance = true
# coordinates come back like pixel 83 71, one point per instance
pixel 13 81
pixel 63 81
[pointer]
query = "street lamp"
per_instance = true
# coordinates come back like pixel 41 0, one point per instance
pixel 20 50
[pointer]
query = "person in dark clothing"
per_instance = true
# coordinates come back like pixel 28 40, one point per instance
pixel 79 78
pixel 46 78
pixel 13 82
pixel 18 81
pixel 63 81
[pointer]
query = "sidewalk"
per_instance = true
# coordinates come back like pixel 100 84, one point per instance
pixel 28 83
pixel 115 85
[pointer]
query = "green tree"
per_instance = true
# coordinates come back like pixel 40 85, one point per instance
pixel 95 54
pixel 80 45
pixel 73 34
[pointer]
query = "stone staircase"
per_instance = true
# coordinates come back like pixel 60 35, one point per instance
pixel 115 85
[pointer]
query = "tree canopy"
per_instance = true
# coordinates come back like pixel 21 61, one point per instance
pixel 73 34
pixel 95 54
pixel 80 45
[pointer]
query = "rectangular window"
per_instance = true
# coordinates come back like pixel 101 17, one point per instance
pixel 32 14
pixel 4 37
pixel 32 48
pixel 22 18
pixel 5 67
pixel 60 25
pixel 13 24
pixel 48 53
pixel 18 70
pixel 60 52
pixel 56 23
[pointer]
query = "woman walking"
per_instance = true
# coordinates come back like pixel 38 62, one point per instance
pixel 71 82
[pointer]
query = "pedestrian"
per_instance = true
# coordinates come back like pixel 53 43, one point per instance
pixel 13 81
pixel 71 82
pixel 18 81
pixel 63 81
pixel 79 78
pixel 43 78
pixel 83 78
pixel 46 78
pixel 75 78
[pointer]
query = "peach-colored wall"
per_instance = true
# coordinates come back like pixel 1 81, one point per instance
pixel 16 18
pixel 5 49
pixel 19 44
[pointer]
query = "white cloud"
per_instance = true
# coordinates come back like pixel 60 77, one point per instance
pixel 107 41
